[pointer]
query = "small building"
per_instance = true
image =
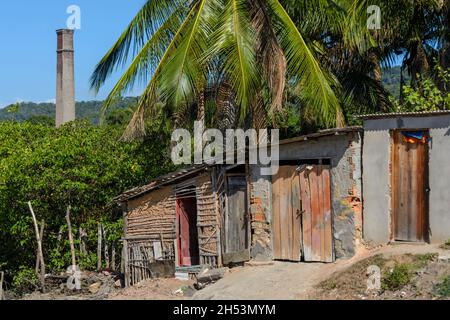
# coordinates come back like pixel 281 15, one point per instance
pixel 311 210
pixel 406 177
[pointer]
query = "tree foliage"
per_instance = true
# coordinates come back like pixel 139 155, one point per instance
pixel 81 165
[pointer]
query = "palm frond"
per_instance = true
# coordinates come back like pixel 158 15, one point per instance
pixel 147 21
pixel 234 41
pixel 315 84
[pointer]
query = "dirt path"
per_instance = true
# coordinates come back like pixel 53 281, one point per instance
pixel 282 281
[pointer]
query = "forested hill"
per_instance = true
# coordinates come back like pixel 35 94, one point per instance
pixel 39 111
pixel 42 112
pixel 392 78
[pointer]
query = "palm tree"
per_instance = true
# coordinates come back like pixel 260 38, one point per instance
pixel 183 49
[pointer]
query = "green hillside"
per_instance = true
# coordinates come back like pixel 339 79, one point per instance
pixel 43 112
pixel 392 78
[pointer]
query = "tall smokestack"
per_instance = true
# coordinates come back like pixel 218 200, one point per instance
pixel 65 85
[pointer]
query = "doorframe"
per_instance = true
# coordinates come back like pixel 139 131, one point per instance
pixel 246 206
pixel 178 249
pixel 426 218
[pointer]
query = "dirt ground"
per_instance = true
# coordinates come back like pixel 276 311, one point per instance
pixel 161 289
pixel 282 281
pixel 344 279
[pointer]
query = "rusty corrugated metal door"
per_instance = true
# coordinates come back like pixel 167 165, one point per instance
pixel 317 234
pixel 286 215
pixel 409 185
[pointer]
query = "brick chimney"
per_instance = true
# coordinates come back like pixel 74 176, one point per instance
pixel 65 85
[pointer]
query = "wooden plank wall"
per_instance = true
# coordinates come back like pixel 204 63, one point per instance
pixel 286 215
pixel 409 183
pixel 207 221
pixel 317 221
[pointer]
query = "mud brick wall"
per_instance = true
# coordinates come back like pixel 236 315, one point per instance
pixel 153 216
pixel 260 213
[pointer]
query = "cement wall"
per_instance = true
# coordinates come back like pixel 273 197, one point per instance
pixel 376 175
pixel 344 151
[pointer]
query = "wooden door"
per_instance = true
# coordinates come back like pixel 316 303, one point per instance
pixel 236 221
pixel 286 214
pixel 187 233
pixel 409 188
pixel 317 231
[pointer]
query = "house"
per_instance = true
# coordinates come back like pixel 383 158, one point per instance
pixel 406 177
pixel 311 210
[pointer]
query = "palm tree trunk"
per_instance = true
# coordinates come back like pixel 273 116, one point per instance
pixel 377 75
pixel 201 113
pixel 419 63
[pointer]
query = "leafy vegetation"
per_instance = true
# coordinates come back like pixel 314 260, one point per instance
pixel 397 277
pixel 81 165
pixel 443 288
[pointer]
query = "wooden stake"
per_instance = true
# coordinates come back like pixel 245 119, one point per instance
pixel 99 248
pixel 2 276
pixel 106 247
pixel 38 260
pixel 38 239
pixel 72 245
pixel 113 257
pixel 83 236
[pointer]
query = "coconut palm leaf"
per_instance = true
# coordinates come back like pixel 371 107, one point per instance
pixel 314 83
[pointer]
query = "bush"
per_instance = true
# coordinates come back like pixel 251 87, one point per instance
pixel 443 288
pixel 396 278
pixel 81 165
pixel 25 281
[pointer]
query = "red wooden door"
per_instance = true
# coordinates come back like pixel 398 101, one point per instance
pixel 188 248
pixel 409 185
pixel 315 186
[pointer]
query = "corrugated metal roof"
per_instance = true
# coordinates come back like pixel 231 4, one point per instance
pixel 402 114
pixel 323 133
pixel 159 182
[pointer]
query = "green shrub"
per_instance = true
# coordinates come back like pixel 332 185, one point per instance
pixel 443 288
pixel 25 281
pixel 446 245
pixel 79 164
pixel 397 277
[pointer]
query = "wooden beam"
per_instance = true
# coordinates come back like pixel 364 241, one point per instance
pixel 71 242
pixel 2 277
pixel 39 243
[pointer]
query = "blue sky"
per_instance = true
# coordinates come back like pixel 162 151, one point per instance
pixel 28 45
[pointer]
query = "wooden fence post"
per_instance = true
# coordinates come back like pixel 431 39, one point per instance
pixel 38 260
pixel 83 237
pixel 99 248
pixel 113 257
pixel 106 247
pixel 72 245
pixel 2 276
pixel 39 242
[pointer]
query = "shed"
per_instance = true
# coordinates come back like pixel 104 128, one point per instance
pixel 406 177
pixel 312 209
pixel 228 214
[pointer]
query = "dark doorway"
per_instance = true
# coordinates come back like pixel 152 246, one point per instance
pixel 410 185
pixel 188 249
